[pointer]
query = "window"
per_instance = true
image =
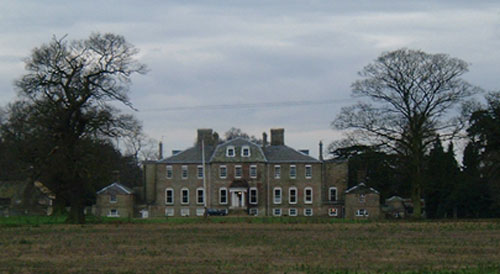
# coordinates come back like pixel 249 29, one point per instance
pixel 292 212
pixel 169 196
pixel 237 172
pixel 277 195
pixel 308 195
pixel 184 196
pixel 170 172
pixel 308 172
pixel 253 171
pixel 200 172
pixel 184 212
pixel 200 211
pixel 332 194
pixel 292 195
pixel 253 196
pixel 253 211
pixel 169 212
pixel 362 198
pixel 112 198
pixel 245 151
pixel 277 212
pixel 293 171
pixel 332 212
pixel 113 213
pixel 230 151
pixel 277 172
pixel 184 172
pixel 223 196
pixel 362 212
pixel 200 196
pixel 308 211
pixel 223 172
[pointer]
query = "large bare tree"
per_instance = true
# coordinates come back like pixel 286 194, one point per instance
pixel 70 86
pixel 409 98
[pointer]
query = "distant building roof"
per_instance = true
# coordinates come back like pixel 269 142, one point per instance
pixel 286 154
pixel 191 155
pixel 256 153
pixel 116 188
pixel 361 187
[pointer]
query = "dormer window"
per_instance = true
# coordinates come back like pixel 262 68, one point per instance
pixel 245 151
pixel 230 151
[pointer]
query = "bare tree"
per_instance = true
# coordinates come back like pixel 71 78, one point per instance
pixel 70 86
pixel 411 95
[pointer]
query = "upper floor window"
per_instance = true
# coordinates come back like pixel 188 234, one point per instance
pixel 200 196
pixel 362 198
pixel 112 198
pixel 292 195
pixel 237 171
pixel 253 196
pixel 230 152
pixel 332 194
pixel 184 196
pixel 253 171
pixel 200 172
pixel 277 195
pixel 245 151
pixel 184 172
pixel 293 171
pixel 308 195
pixel 308 171
pixel 223 172
pixel 170 172
pixel 277 172
pixel 169 196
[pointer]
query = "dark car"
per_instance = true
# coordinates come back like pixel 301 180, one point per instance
pixel 216 212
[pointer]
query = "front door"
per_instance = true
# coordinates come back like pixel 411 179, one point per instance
pixel 238 198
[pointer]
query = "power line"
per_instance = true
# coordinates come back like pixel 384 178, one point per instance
pixel 249 105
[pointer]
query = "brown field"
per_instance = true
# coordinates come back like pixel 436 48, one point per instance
pixel 252 248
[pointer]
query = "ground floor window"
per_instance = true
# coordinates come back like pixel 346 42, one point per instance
pixel 169 196
pixel 169 212
pixel 200 211
pixel 253 211
pixel 253 195
pixel 185 196
pixel 308 211
pixel 277 211
pixel 277 195
pixel 222 196
pixel 332 212
pixel 184 212
pixel 361 212
pixel 292 212
pixel 200 196
pixel 113 213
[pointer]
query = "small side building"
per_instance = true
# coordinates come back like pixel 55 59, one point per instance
pixel 362 202
pixel 115 200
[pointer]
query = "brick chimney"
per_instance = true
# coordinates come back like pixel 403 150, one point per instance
pixel 264 139
pixel 160 150
pixel 277 136
pixel 206 135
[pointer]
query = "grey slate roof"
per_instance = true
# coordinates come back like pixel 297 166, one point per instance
pixel 285 154
pixel 191 155
pixel 256 153
pixel 116 188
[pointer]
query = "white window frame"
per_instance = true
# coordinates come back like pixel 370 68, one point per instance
pixel 223 176
pixel 171 190
pixel 277 212
pixel 185 212
pixel 308 171
pixel 182 196
pixel 185 172
pixel 169 212
pixel 198 196
pixel 250 196
pixel 111 200
pixel 361 212
pixel 220 195
pixel 236 167
pixel 253 211
pixel 170 172
pixel 115 214
pixel 277 171
pixel 293 174
pixel 308 209
pixel 200 212
pixel 245 148
pixel 276 200
pixel 253 175
pixel 307 201
pixel 290 195
pixel 330 194
pixel 198 173
pixel 293 214
pixel 228 149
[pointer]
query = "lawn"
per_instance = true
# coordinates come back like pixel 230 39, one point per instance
pixel 250 245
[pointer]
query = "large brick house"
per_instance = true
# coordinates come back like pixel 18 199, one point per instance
pixel 242 177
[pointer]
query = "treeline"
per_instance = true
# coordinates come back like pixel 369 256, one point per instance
pixel 452 189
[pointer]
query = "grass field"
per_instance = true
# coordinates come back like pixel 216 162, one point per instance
pixel 249 245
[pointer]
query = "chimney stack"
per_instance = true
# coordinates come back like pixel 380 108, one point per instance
pixel 277 136
pixel 264 139
pixel 320 150
pixel 206 135
pixel 160 150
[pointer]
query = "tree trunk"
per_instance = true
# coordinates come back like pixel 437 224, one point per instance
pixel 76 213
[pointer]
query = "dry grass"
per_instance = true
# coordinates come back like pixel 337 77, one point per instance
pixel 252 248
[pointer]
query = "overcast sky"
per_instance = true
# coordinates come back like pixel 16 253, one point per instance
pixel 251 52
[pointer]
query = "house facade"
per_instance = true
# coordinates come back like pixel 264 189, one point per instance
pixel 244 178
